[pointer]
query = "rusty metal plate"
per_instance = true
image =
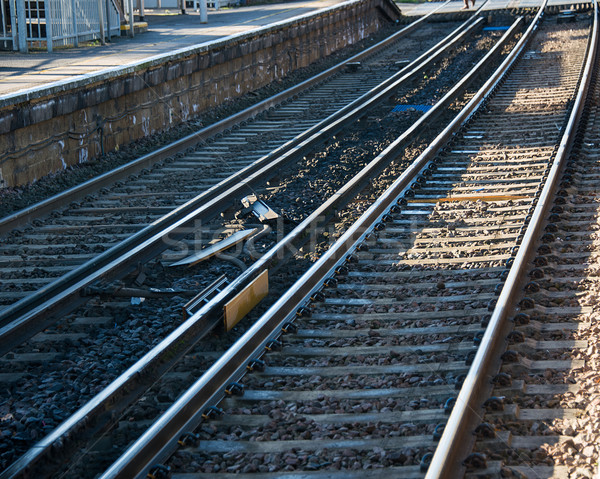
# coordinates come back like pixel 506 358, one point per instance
pixel 245 300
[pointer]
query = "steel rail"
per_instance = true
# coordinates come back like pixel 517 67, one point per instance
pixel 36 312
pixel 160 439
pixel 157 361
pixel 106 179
pixel 339 199
pixel 457 438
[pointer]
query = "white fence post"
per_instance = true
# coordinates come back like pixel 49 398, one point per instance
pixel 75 34
pixel 131 19
pixel 22 26
pixel 204 11
pixel 4 22
pixel 48 12
pixel 108 22
pixel 12 11
pixel 48 4
pixel 59 22
pixel 100 21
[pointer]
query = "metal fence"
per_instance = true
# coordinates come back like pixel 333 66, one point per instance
pixel 73 21
pixel 8 30
pixel 55 23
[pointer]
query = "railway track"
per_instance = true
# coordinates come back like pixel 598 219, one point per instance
pixel 52 356
pixel 544 421
pixel 49 263
pixel 476 198
pixel 361 379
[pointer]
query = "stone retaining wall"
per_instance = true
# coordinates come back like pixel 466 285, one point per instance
pixel 47 129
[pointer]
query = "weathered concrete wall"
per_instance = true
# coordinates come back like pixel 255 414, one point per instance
pixel 45 130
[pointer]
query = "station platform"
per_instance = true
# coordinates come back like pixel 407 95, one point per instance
pixel 169 31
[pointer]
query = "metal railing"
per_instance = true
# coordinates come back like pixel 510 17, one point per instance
pixel 55 23
pixel 8 29
pixel 74 21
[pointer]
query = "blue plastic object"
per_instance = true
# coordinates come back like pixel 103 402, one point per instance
pixel 422 108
